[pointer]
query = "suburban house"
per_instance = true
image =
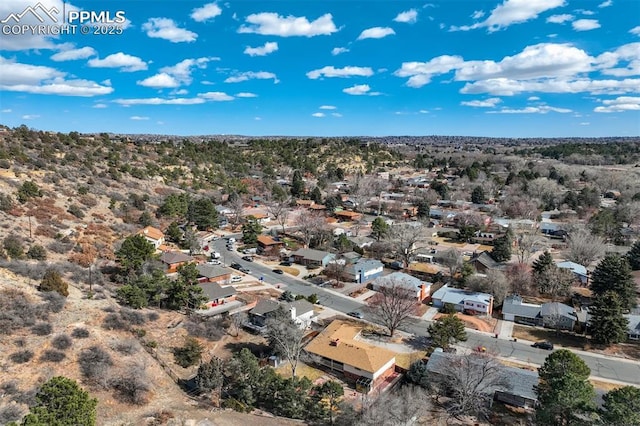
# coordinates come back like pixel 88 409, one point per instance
pixel 518 389
pixel 311 257
pixel 305 203
pixel 633 327
pixel 347 216
pixel 413 286
pixel 483 262
pixel 551 315
pixel 205 237
pixel 269 246
pixel 578 270
pixel 153 235
pixel 213 274
pixel 351 257
pixel 217 295
pixel 463 301
pixel 261 218
pixel 362 241
pixel 301 312
pixel 174 259
pixel 364 270
pixel 339 348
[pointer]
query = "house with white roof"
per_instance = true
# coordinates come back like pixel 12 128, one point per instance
pixel 462 300
pixel 414 287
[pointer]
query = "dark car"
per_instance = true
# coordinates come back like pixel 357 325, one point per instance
pixel 245 270
pixel 285 263
pixel 247 258
pixel 236 266
pixel 278 271
pixel 355 314
pixel 543 345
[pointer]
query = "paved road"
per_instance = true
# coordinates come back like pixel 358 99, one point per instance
pixel 603 367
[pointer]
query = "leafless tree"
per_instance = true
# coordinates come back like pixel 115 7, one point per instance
pixel 280 210
pixel 236 206
pixel 393 305
pixel 555 281
pixel 519 275
pixel 470 381
pixel 310 224
pixel 335 271
pixel 404 237
pixel 453 260
pixel 402 407
pixel 518 206
pixel 286 338
pixel 527 244
pixel 495 283
pixel 360 191
pixel 236 321
pixel 583 247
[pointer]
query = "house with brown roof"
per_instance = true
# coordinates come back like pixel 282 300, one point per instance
pixel 347 216
pixel 304 203
pixel 269 246
pixel 174 259
pixel 153 235
pixel 339 348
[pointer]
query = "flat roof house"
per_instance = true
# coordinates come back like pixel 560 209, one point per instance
pixel 338 348
pixel 475 302
pixel 311 257
pixel 413 286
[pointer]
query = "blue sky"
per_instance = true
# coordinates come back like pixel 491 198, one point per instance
pixel 505 68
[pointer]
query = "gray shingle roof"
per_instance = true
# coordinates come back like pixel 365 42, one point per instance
pixel 215 291
pixel 311 254
pixel 557 308
pixel 399 279
pixel 457 296
pixel 512 305
pixel 170 257
pixel 212 271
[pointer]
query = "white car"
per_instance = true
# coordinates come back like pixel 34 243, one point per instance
pixel 236 278
pixel 214 262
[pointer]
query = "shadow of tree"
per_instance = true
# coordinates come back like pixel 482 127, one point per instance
pixel 260 350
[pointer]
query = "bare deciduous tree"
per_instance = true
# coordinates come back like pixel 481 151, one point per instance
pixel 519 275
pixel 398 408
pixel 280 210
pixel 310 224
pixel 453 260
pixel 583 247
pixel 527 244
pixel 393 305
pixel 404 237
pixel 236 205
pixel 286 337
pixel 471 381
pixel 235 323
pixel 495 283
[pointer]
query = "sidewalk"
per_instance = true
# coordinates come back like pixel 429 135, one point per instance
pixel 431 312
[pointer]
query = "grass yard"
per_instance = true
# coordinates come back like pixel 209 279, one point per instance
pixel 303 370
pixel 561 338
pixel 289 270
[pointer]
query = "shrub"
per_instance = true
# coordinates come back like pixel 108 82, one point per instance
pixel 127 347
pixel 210 329
pixel 28 190
pixel 62 342
pixel 6 202
pixel 52 356
pixel 13 246
pixel 37 252
pixel 42 329
pixel 75 210
pixel 151 344
pixel 132 317
pixel 60 247
pixel 189 354
pixel 10 387
pixel 80 333
pixel 21 357
pixel 153 316
pixel 54 301
pixel 11 413
pixel 114 322
pixel 94 363
pixel 52 281
pixel 132 386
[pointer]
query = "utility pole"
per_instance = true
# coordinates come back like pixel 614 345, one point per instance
pixel 30 227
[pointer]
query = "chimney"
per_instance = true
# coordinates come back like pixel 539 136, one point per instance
pixel 335 342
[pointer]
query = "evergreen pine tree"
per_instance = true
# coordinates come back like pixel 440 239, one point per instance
pixel 613 274
pixel 608 325
pixel 501 249
pixel 633 256
pixel 544 262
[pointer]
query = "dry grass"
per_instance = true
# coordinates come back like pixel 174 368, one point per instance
pixel 404 360
pixel 303 370
pixel 604 386
pixel 561 338
pixel 289 270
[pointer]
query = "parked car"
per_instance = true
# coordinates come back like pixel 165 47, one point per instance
pixel 247 258
pixel 231 240
pixel 235 265
pixel 214 262
pixel 543 345
pixel 355 314
pixel 230 248
pixel 236 278
pixel 278 271
pixel 285 263
pixel 245 270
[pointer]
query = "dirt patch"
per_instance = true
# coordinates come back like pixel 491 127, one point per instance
pixel 485 324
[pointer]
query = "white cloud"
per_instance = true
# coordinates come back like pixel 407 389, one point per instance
pixel 206 12
pixel 30 116
pixel 508 87
pixel 246 95
pixel 269 47
pixel 159 81
pixel 543 109
pixel 138 118
pixel 257 118
pixel 620 104
pixel 276 25
pixel 338 50
pixel 360 89
pixel 420 73
pixel 167 29
pixel 512 12
pixel 160 101
pixel 126 63
pixel 487 103
pixel 478 14
pixel 330 71
pixel 74 54
pixel 585 24
pixel 560 19
pixel 19 77
pixel 635 30
pixel 183 69
pixel 6 111
pixel 318 114
pixel 585 12
pixel 251 75
pixel 336 114
pixel 606 3
pixel 533 98
pixel 629 53
pixel 376 32
pixel 327 107
pixel 100 106
pixel 423 111
pixel 179 92
pixel 410 16
pixel 216 96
